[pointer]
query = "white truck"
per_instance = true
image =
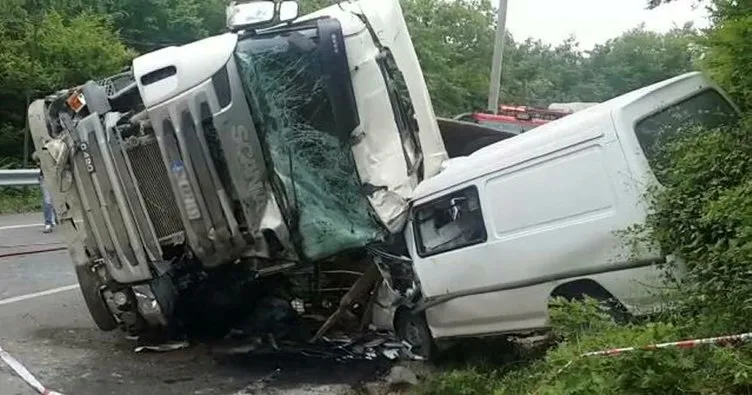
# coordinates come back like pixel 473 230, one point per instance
pixel 227 161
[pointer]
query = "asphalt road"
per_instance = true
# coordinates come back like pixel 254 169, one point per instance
pixel 45 325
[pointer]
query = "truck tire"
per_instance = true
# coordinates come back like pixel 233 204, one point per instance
pixel 413 328
pixel 90 288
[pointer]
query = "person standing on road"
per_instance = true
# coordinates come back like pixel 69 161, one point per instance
pixel 47 207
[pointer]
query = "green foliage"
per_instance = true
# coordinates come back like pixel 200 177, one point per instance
pixel 637 58
pixel 43 52
pixel 309 6
pixel 150 24
pixel 20 199
pixel 74 50
pixel 703 214
pixel 459 382
pixel 454 42
pixel 729 49
pixel 570 319
pixel 705 370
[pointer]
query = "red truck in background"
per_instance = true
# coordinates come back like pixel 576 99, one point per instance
pixel 514 119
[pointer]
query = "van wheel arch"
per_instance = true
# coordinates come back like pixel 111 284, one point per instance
pixel 579 289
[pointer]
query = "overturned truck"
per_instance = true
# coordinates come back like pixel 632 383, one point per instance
pixel 257 164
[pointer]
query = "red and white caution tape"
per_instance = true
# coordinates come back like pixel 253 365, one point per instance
pixel 684 344
pixel 24 373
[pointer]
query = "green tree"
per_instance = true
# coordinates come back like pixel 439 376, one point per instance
pixel 150 24
pixel 728 56
pixel 308 6
pixel 536 73
pixel 38 56
pixel 727 47
pixel 638 58
pixel 454 43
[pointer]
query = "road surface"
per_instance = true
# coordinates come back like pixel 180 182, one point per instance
pixel 45 326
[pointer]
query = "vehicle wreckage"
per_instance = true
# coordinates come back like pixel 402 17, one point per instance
pixel 264 169
pixel 288 181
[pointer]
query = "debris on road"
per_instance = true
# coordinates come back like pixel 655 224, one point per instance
pixel 364 346
pixel 364 285
pixel 163 347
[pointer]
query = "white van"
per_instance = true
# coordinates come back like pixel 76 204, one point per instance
pixel 498 233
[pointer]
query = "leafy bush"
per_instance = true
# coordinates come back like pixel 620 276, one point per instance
pixel 704 370
pixel 470 381
pixel 570 319
pixel 701 370
pixel 729 49
pixel 703 214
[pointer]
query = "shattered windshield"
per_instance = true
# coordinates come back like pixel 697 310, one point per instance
pixel 293 81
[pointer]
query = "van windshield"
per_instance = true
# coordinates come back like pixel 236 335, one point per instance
pixel 707 109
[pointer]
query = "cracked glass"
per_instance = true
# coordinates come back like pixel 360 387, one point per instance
pixel 316 180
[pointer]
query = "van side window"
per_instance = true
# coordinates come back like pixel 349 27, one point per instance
pixel 451 222
pixel 706 109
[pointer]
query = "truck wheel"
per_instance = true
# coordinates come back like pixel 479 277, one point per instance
pixel 413 328
pixel 90 288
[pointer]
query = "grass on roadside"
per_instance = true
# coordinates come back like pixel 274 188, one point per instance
pixel 703 370
pixel 20 199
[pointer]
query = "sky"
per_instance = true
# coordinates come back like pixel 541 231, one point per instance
pixel 595 21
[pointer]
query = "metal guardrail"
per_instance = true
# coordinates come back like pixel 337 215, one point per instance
pixel 19 177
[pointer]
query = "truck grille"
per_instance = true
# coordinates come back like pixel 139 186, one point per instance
pixel 154 184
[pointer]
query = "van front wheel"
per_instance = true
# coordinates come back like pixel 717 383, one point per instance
pixel 413 328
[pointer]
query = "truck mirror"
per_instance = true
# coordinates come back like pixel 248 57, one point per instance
pixel 288 11
pixel 242 15
pixel 258 14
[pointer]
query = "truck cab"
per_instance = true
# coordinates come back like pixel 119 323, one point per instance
pixel 255 152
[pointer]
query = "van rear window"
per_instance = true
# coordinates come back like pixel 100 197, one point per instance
pixel 707 109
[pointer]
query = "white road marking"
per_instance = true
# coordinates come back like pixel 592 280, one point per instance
pixel 24 374
pixel 38 294
pixel 21 226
